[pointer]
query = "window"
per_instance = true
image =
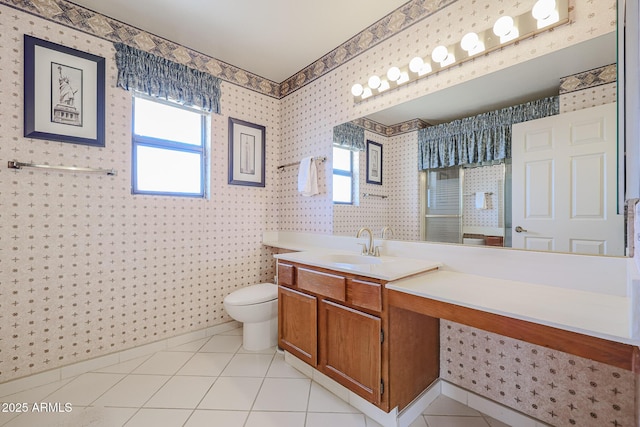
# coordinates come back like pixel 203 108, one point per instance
pixel 343 176
pixel 169 149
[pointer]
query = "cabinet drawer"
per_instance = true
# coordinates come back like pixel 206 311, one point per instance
pixel 367 295
pixel 285 274
pixel 329 285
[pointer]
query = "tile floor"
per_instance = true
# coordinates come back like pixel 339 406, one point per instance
pixel 210 382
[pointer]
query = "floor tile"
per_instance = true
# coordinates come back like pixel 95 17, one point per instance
pixel 124 367
pixel 133 391
pixel 84 389
pixel 107 417
pixel 164 363
pixel 248 365
pixel 236 331
pixel 281 369
pixel 444 405
pixel 181 392
pixel 206 418
pixel 223 344
pixel 342 420
pixel 202 364
pixel 31 419
pixel 232 393
pixel 159 418
pixel 322 400
pixel 270 350
pixel 190 346
pixel 419 422
pixel 455 421
pixel 276 419
pixel 283 394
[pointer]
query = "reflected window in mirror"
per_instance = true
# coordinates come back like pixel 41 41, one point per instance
pixel 343 175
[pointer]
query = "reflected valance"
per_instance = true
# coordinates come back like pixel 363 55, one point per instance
pixel 348 135
pixel 147 73
pixel 482 138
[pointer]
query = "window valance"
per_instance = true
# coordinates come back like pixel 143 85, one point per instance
pixel 482 138
pixel 147 73
pixel 348 135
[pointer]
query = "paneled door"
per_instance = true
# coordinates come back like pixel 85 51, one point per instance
pixel 564 183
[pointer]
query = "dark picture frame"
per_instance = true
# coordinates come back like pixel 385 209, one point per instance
pixel 64 93
pixel 247 153
pixel 374 163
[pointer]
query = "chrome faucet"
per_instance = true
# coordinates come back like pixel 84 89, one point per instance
pixel 368 250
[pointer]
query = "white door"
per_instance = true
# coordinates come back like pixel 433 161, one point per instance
pixel 564 183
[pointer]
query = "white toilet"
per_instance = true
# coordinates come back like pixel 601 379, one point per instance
pixel 256 306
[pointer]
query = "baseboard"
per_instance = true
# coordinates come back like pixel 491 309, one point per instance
pixel 25 383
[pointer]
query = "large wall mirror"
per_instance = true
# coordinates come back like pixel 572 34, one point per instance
pixel 493 195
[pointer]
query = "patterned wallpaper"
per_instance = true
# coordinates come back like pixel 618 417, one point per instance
pixel 487 179
pixel 86 268
pixel 554 387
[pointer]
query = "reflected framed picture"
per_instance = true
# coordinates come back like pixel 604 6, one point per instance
pixel 374 163
pixel 64 93
pixel 246 153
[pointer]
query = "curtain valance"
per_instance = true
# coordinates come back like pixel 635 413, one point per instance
pixel 482 138
pixel 348 135
pixel 147 73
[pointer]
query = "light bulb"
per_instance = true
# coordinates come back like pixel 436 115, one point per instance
pixel 543 9
pixel 374 82
pixel 545 13
pixel 357 89
pixel 441 54
pixel 416 64
pixel 393 74
pixel 472 44
pixel 506 29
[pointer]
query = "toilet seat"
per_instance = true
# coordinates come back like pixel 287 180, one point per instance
pixel 254 294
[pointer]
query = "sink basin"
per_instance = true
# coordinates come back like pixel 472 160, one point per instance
pixel 351 259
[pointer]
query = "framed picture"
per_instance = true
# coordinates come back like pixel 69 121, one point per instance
pixel 64 93
pixel 374 163
pixel 246 153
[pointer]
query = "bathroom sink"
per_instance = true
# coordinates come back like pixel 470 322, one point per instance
pixel 351 259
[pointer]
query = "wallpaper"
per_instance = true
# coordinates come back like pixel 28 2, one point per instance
pixel 88 269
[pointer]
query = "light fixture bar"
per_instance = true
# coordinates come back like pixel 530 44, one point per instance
pixel 545 15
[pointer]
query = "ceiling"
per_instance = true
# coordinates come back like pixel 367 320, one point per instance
pixel 273 39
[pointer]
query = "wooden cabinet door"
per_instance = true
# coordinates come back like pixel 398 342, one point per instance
pixel 350 349
pixel 297 324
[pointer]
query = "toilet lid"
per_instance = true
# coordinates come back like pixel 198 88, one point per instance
pixel 253 294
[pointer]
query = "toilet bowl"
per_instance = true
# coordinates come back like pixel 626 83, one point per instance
pixel 256 306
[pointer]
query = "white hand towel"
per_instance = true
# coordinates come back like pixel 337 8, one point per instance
pixel 308 177
pixel 481 200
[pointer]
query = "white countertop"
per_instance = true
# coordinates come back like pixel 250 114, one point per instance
pixel 389 268
pixel 589 313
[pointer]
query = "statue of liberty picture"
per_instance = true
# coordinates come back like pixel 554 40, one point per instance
pixel 66 95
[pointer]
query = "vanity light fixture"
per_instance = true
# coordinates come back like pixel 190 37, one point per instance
pixel 545 13
pixel 543 16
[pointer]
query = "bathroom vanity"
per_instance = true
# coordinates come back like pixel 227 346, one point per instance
pixel 339 322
